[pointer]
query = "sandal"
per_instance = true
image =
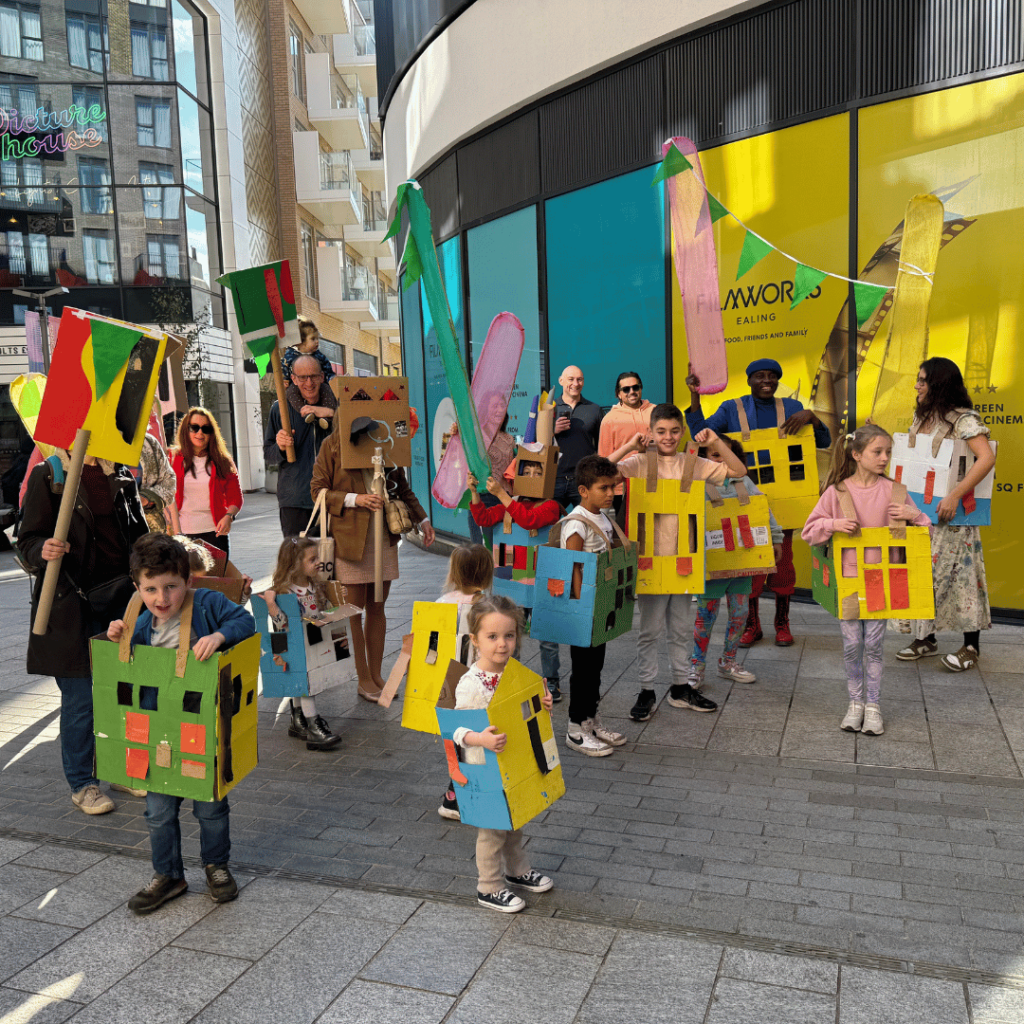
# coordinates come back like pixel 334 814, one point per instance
pixel 965 658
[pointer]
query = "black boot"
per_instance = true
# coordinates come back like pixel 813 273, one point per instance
pixel 299 726
pixel 319 735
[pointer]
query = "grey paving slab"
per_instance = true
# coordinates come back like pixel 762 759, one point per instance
pixel 878 997
pixel 748 1002
pixel 991 1005
pixel 24 942
pixel 557 934
pixel 790 971
pixel 370 906
pixel 22 1008
pixel 364 1001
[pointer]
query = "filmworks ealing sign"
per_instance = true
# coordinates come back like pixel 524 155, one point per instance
pixel 49 133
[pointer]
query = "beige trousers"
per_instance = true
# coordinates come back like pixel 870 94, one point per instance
pixel 492 847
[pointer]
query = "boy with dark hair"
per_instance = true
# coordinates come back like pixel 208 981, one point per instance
pixel 160 569
pixel 583 531
pixel 668 615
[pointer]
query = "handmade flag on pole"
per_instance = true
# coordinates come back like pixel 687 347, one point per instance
pixel 27 398
pixel 264 303
pixel 421 261
pixel 696 263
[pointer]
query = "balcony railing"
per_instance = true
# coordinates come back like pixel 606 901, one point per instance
pixel 336 170
pixel 356 282
pixel 365 41
pixel 375 214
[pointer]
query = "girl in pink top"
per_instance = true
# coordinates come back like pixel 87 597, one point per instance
pixel 859 462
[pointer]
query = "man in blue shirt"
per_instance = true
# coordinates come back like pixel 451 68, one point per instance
pixel 763 376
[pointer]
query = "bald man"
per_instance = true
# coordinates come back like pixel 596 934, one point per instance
pixel 577 430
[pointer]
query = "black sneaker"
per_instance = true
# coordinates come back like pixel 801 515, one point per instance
pixel 554 689
pixel 449 806
pixel 532 880
pixel 505 901
pixel 220 884
pixel 156 894
pixel 319 735
pixel 682 695
pixel 644 706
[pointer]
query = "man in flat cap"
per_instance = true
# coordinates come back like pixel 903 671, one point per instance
pixel 763 376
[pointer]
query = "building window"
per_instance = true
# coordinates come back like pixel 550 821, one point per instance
pixel 18 176
pixel 38 254
pixel 99 256
pixel 94 176
pixel 19 97
pixel 88 42
pixel 86 96
pixel 309 259
pixel 364 361
pixel 159 203
pixel 149 52
pixel 163 253
pixel 295 52
pixel 153 122
pixel 21 32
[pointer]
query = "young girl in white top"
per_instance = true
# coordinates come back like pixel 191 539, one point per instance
pixel 296 574
pixel 470 574
pixel 495 624
pixel 859 462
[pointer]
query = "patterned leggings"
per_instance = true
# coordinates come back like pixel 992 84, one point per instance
pixel 704 622
pixel 862 654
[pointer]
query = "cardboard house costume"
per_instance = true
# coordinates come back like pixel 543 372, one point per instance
pixel 784 466
pixel 604 609
pixel 168 723
pixel 311 655
pixel 737 534
pixel 384 401
pixel 439 636
pixel 895 584
pixel 931 465
pixel 512 787
pixel 680 571
pixel 224 578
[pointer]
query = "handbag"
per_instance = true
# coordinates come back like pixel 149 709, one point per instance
pixel 325 553
pixel 108 600
pixel 397 516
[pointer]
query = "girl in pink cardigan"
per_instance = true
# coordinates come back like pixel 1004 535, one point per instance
pixel 859 462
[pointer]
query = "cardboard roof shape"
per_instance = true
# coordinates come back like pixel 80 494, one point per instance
pixel 308 657
pixel 680 570
pixel 784 466
pixel 931 465
pixel 225 579
pixel 604 609
pixel 439 636
pixel 512 787
pixel 737 535
pixel 384 399
pixel 540 487
pixel 102 379
pixel 170 724
pixel 895 584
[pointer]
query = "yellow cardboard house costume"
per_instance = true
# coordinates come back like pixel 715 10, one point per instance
pixel 738 534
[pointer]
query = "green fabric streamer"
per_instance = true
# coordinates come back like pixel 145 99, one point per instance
pixel 754 250
pixel 396 222
pixel 261 350
pixel 716 209
pixel 805 280
pixel 112 344
pixel 31 401
pixel 412 261
pixel 411 197
pixel 866 297
pixel 673 164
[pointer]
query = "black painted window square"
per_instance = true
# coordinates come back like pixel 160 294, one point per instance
pixel 148 698
pixel 314 634
pixel 796 453
pixel 796 471
pixel 124 694
pixel 192 702
pixel 236 695
pixel 536 702
pixel 764 457
pixel 278 643
pixel 767 475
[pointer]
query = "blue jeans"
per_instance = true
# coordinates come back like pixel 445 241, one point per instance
pixel 165 832
pixel 549 663
pixel 77 743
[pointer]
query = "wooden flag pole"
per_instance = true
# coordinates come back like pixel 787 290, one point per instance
pixel 67 507
pixel 378 527
pixel 282 400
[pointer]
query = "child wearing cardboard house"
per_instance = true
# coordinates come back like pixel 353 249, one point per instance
pixel 495 624
pixel 669 614
pixel 160 569
pixel 857 474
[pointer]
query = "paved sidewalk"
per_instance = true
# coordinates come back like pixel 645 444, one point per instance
pixel 755 864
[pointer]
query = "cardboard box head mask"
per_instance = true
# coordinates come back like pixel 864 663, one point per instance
pixel 372 411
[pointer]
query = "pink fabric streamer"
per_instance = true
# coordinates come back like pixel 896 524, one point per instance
pixel 493 379
pixel 697 271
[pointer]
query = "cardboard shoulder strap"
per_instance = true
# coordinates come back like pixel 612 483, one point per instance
pixel 898 527
pixel 741 491
pixel 131 616
pixel 846 503
pixel 942 431
pixel 689 465
pixel 714 495
pixel 555 536
pixel 780 418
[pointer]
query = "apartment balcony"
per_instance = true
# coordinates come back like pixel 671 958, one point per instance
pixel 325 183
pixel 325 18
pixel 367 237
pixel 336 104
pixel 349 60
pixel 386 324
pixel 369 167
pixel 347 290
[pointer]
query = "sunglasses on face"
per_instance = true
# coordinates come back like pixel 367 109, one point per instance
pixel 631 387
pixel 195 428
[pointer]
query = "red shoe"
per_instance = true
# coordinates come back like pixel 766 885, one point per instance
pixel 783 637
pixel 752 633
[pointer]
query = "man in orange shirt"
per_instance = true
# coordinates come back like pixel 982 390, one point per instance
pixel 624 421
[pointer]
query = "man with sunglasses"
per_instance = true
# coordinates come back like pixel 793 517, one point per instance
pixel 295 505
pixel 763 376
pixel 624 421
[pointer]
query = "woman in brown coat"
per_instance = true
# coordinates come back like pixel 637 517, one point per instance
pixel 351 509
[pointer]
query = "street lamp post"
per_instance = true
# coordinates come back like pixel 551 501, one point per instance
pixel 44 316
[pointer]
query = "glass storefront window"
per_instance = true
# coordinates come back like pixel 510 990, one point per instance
pixel 201 232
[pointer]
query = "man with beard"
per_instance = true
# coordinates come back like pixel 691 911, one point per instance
pixel 624 421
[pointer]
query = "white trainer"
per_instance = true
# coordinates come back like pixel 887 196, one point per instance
pixel 737 673
pixel 872 721
pixel 579 737
pixel 609 736
pixel 854 717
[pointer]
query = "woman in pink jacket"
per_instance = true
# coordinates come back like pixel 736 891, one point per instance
pixel 208 493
